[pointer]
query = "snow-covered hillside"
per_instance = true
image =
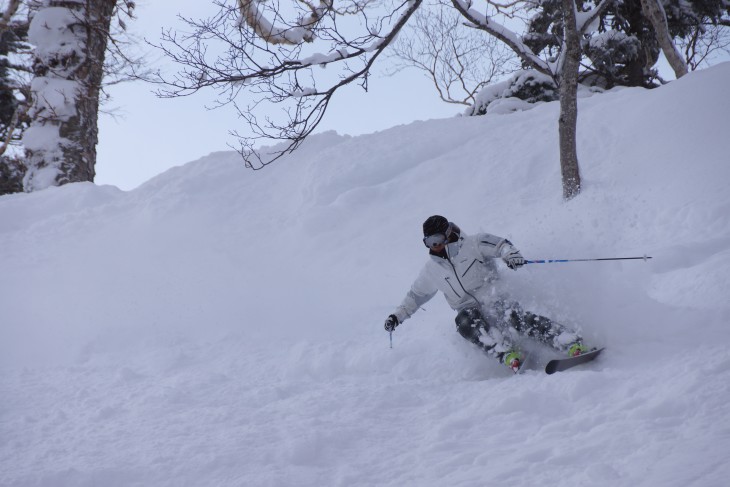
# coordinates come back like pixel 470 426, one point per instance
pixel 220 327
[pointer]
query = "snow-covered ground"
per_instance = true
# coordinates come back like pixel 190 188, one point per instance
pixel 220 327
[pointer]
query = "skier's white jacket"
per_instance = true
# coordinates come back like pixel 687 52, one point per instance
pixel 470 265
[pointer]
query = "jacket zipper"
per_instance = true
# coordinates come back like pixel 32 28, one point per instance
pixel 453 267
pixel 452 287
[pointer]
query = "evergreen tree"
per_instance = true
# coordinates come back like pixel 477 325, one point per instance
pixel 13 100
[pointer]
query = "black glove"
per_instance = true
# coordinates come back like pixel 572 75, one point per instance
pixel 391 323
pixel 514 259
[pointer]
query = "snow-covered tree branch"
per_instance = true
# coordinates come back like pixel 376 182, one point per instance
pixel 279 59
pixel 478 20
pixel 253 14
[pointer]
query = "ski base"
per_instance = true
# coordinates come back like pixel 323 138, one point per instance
pixel 561 364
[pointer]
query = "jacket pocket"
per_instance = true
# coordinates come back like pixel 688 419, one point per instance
pixel 471 265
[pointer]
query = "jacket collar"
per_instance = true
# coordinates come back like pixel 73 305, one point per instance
pixel 450 251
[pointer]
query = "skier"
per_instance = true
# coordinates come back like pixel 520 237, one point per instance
pixel 463 268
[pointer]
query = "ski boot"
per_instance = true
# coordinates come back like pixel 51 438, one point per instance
pixel 513 360
pixel 577 349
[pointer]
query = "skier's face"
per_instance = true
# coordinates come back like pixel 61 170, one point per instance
pixel 438 248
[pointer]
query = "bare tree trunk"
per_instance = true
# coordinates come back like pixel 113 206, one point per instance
pixel 568 122
pixel 654 11
pixel 66 90
pixel 84 129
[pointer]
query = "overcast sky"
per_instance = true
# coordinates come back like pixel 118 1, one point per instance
pixel 147 135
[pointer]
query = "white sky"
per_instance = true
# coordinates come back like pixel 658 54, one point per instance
pixel 176 131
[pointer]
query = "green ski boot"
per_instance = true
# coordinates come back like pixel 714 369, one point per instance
pixel 577 349
pixel 513 360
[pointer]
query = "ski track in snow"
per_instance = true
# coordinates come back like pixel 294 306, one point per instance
pixel 224 328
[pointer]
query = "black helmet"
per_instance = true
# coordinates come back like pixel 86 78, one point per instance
pixel 435 224
pixel 439 226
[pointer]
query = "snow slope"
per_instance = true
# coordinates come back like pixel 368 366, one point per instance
pixel 220 327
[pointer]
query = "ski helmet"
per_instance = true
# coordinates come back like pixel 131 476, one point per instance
pixel 435 224
pixel 437 230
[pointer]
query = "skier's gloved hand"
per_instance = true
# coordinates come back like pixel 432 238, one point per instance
pixel 391 323
pixel 514 259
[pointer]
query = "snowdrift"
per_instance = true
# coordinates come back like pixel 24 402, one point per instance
pixel 218 326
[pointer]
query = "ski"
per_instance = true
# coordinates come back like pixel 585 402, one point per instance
pixel 560 364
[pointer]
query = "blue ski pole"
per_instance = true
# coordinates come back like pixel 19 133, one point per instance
pixel 553 261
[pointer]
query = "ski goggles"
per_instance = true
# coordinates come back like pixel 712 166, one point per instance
pixel 438 239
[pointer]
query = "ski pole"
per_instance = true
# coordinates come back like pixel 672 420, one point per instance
pixel 391 338
pixel 553 261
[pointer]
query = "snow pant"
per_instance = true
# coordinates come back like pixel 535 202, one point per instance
pixel 492 333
